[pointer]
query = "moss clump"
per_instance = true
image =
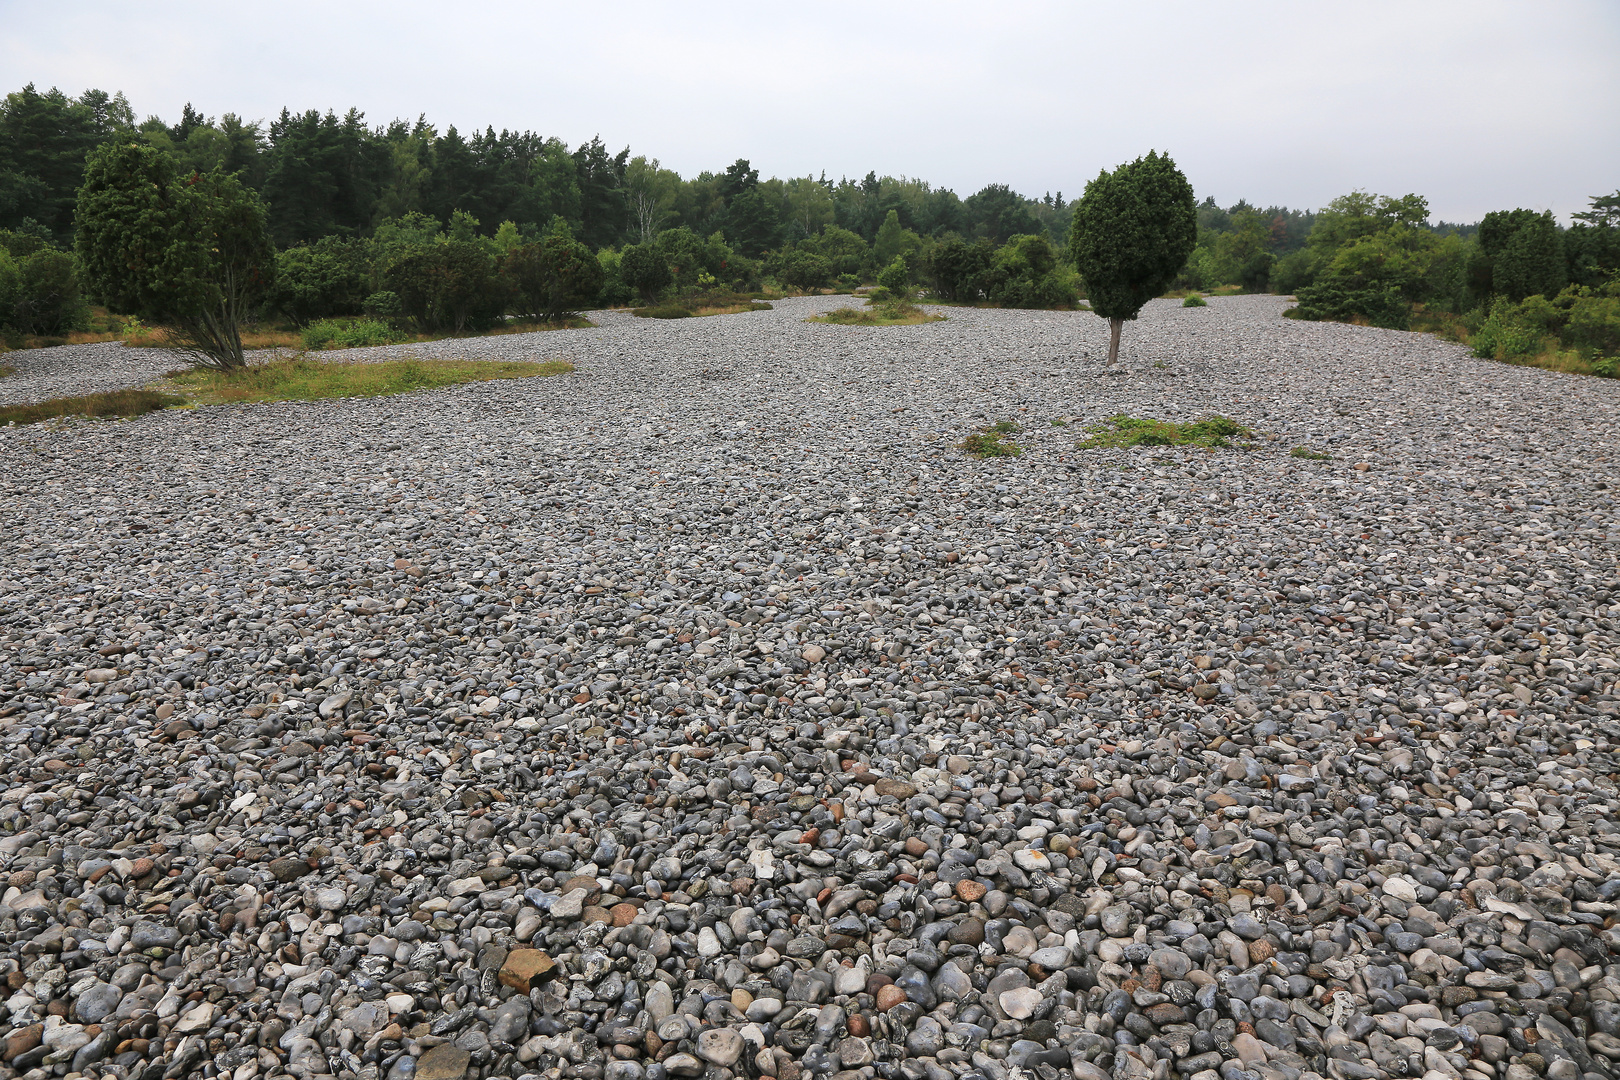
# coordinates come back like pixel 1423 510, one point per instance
pixel 992 441
pixel 1122 430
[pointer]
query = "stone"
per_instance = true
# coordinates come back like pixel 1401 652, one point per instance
pixel 525 969
pixel 1020 1003
pixel 446 1062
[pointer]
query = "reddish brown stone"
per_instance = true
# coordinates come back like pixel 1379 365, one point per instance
pixel 889 996
pixel 970 890
pixel 527 968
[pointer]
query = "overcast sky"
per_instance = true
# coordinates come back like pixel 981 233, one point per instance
pixel 1476 104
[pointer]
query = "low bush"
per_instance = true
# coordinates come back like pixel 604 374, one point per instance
pixel 111 404
pixel 349 334
pixel 1308 454
pixel 1195 301
pixel 1122 430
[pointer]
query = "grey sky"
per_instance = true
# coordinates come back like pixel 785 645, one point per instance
pixel 1477 105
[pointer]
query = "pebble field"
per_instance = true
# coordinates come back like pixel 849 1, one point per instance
pixel 706 713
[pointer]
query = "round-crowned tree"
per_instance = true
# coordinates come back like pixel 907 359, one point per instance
pixel 186 251
pixel 1133 230
pixel 642 267
pixel 553 278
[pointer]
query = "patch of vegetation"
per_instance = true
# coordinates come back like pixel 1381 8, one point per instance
pixel 1195 300
pixel 1122 431
pixel 1308 454
pixel 304 379
pixel 698 304
pixel 1060 423
pixel 885 313
pixel 348 334
pixel 112 404
pixel 992 441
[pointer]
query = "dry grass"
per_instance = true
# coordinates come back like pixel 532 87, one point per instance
pixel 113 404
pixel 305 379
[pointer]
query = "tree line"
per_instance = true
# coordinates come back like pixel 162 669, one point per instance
pixel 321 175
pixel 450 233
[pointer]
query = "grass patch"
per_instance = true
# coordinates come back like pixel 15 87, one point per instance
pixel 697 305
pixel 110 404
pixel 889 313
pixel 1195 300
pixel 1308 454
pixel 992 441
pixel 1122 431
pixel 304 379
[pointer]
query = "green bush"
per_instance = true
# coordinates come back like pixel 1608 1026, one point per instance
pixel 896 277
pixel 348 334
pixel 449 285
pixel 383 305
pixel 800 268
pixel 10 286
pixel 554 278
pixel 643 269
pixel 320 281
pixel 47 299
pixel 957 270
pixel 1195 301
pixel 1594 323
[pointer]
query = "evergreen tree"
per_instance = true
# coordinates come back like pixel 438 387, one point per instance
pixel 190 252
pixel 1133 230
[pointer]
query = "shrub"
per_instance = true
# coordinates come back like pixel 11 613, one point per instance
pixel 844 251
pixel 958 269
pixel 1334 300
pixel 383 305
pixel 1195 301
pixel 47 298
pixel 190 252
pixel 1594 323
pixel 800 268
pixel 10 286
pixel 447 285
pixel 642 268
pixel 348 334
pixel 554 278
pixel 1308 454
pixel 896 277
pixel 320 281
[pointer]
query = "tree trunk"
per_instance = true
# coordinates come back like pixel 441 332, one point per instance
pixel 1114 327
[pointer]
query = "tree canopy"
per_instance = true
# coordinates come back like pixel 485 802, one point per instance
pixel 1133 230
pixel 190 251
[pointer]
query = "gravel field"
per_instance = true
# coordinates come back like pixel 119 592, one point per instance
pixel 705 713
